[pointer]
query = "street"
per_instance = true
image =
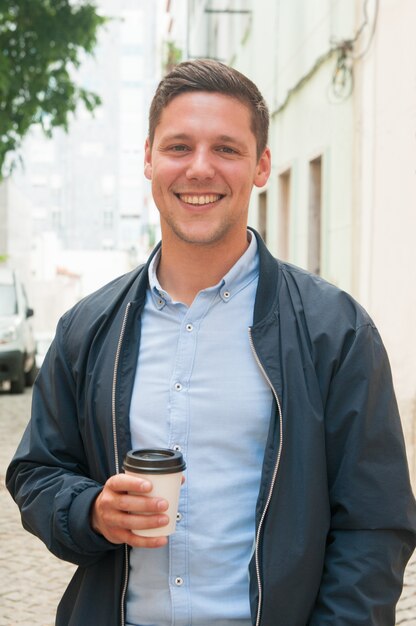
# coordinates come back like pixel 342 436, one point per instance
pixel 32 579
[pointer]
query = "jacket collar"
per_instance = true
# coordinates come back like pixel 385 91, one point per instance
pixel 143 276
pixel 268 285
pixel 269 282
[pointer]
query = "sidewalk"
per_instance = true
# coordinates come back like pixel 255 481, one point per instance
pixel 33 580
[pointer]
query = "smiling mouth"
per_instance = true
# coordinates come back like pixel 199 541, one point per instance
pixel 199 199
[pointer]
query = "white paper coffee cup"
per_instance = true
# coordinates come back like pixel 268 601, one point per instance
pixel 163 468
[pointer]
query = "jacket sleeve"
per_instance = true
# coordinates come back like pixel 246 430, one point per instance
pixel 48 476
pixel 372 532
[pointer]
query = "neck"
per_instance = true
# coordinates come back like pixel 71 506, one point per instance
pixel 186 269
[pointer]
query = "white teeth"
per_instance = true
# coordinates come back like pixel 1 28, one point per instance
pixel 207 199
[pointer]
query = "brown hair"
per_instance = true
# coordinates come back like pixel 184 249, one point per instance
pixel 213 76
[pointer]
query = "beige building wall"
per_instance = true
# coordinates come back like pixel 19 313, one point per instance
pixel 290 51
pixel 384 271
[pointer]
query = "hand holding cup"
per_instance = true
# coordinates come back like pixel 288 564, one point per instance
pixel 163 468
pixel 111 513
pixel 139 507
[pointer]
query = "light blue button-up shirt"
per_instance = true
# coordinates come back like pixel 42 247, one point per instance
pixel 198 389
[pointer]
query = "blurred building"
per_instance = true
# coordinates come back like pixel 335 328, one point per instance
pixel 87 213
pixel 339 79
pixel 87 185
pixel 15 227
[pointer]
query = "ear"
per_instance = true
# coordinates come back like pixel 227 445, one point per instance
pixel 263 168
pixel 148 160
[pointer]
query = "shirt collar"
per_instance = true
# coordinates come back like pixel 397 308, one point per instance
pixel 159 295
pixel 241 274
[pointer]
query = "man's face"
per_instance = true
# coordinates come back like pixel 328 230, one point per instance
pixel 203 166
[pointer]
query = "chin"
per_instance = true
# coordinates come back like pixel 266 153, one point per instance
pixel 200 236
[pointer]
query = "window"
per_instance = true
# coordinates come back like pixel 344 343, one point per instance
pixel 108 218
pixel 56 217
pixel 315 211
pixel 284 215
pixel 108 184
pixel 8 302
pixel 262 215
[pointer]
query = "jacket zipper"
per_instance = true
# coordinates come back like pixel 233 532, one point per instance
pixel 117 464
pixel 273 481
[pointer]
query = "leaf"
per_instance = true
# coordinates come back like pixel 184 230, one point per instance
pixel 42 43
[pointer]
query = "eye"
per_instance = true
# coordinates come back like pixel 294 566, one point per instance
pixel 227 150
pixel 178 148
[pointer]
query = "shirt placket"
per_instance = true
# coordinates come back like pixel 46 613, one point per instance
pixel 179 420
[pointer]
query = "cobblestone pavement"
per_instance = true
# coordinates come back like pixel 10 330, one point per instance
pixel 32 580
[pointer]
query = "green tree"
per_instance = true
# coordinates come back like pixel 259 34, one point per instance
pixel 173 56
pixel 42 43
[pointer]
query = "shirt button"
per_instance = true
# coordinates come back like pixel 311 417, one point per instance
pixel 178 581
pixel 226 294
pixel 177 448
pixel 178 386
pixel 189 328
pixel 178 516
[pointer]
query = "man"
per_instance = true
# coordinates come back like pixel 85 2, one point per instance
pixel 297 508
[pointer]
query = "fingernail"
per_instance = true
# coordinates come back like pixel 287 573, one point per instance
pixel 162 505
pixel 145 485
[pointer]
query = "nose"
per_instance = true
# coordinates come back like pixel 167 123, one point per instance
pixel 200 166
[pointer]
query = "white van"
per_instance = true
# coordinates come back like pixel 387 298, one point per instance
pixel 17 344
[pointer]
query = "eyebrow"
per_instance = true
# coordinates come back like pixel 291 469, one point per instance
pixel 186 137
pixel 176 137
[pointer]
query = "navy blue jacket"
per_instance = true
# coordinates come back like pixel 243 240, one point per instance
pixel 336 516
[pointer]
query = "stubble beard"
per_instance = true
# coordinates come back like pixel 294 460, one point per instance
pixel 213 233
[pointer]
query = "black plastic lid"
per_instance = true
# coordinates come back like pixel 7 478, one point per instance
pixel 154 461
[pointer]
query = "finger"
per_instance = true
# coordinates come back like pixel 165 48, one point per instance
pixel 141 504
pixel 126 482
pixel 143 522
pixel 136 541
pixel 116 527
pixel 121 536
pixel 133 521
